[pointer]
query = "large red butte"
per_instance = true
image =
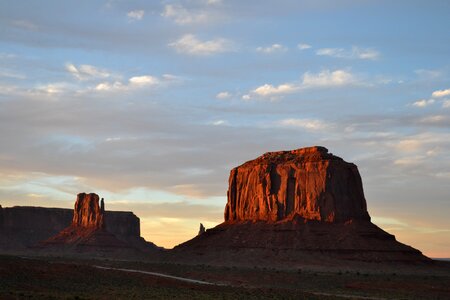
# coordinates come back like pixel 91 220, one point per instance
pixel 309 183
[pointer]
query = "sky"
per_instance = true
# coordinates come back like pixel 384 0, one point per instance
pixel 151 103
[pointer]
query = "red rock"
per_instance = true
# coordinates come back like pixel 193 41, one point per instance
pixel 309 182
pixel 88 232
pixel 294 208
pixel 22 227
pixel 87 212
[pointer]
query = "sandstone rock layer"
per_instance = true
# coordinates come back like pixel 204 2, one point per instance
pixel 308 182
pixel 294 208
pixel 88 232
pixel 87 212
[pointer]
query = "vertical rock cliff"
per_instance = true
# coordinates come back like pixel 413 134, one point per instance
pixel 87 212
pixel 290 208
pixel 92 231
pixel 309 182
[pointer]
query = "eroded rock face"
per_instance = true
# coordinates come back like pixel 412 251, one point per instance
pixel 87 212
pixel 309 183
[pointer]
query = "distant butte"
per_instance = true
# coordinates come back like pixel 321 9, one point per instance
pixel 89 233
pixel 289 208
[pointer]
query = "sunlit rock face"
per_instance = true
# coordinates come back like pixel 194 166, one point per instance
pixel 87 212
pixel 309 183
pixel 291 208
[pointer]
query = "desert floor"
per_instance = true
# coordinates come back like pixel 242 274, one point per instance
pixel 62 278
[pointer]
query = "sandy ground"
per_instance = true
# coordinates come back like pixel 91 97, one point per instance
pixel 56 278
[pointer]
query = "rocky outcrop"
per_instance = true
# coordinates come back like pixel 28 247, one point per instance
pixel 88 225
pixel 87 212
pixel 309 182
pixel 202 229
pixel 24 226
pixel 89 233
pixel 291 208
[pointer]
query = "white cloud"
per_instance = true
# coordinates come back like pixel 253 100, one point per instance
pixel 86 72
pixel 433 120
pixel 107 86
pixel 220 123
pixel 409 161
pixel 51 89
pixel 335 52
pixel 136 15
pixel 446 104
pixel 423 103
pixel 135 82
pixel 303 46
pixel 182 16
pixel 327 78
pixel 441 93
pixel 309 124
pixel 272 49
pixel 223 95
pixel 409 145
pixel 354 53
pixel 367 53
pixel 190 44
pixel 144 80
pixel 270 90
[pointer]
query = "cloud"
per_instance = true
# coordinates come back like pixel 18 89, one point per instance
pixel 108 86
pixel 133 83
pixel 50 89
pixel 446 104
pixel 270 90
pixel 354 53
pixel 409 145
pixel 303 46
pixel 328 78
pixel 436 120
pixel 190 44
pixel 423 103
pixel 308 124
pixel 143 80
pixel 136 15
pixel 223 95
pixel 11 74
pixel 182 16
pixel 220 123
pixel 323 79
pixel 86 72
pixel 441 93
pixel 272 49
pixel 428 74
